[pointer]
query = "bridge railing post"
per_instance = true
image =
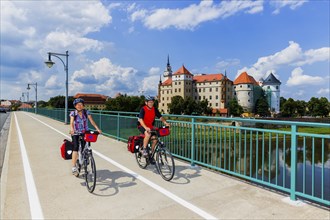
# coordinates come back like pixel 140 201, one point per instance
pixel 192 158
pixel 293 162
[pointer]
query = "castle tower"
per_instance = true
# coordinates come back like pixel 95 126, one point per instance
pixel 182 81
pixel 168 71
pixel 271 86
pixel 244 92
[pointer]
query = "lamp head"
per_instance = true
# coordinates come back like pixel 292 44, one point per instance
pixel 49 63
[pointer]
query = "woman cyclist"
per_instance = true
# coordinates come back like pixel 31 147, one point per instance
pixel 78 125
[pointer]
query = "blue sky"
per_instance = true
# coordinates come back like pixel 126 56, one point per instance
pixel 122 46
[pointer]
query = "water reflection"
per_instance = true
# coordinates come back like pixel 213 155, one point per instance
pixel 270 161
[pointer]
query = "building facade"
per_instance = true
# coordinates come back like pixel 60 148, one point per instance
pixel 93 101
pixel 217 89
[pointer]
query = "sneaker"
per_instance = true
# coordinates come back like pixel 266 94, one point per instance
pixel 75 171
pixel 145 152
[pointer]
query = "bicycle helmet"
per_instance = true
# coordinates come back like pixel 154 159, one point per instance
pixel 78 100
pixel 149 98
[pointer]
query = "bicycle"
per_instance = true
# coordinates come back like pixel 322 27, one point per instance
pixel 86 159
pixel 164 159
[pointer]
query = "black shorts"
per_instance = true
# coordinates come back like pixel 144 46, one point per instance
pixel 75 141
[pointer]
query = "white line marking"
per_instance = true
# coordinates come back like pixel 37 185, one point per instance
pixel 35 208
pixel 160 189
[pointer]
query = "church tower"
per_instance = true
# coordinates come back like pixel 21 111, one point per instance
pixel 168 71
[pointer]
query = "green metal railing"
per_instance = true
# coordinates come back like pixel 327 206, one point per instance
pixel 256 150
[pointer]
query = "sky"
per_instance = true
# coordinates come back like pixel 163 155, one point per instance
pixel 123 46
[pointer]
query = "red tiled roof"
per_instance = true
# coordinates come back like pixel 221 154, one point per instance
pixel 244 78
pixel 168 82
pixel 182 71
pixel 208 77
pixel 86 95
pixel 25 105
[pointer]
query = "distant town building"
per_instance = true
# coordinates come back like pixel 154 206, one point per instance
pixel 5 104
pixel 93 101
pixel 217 89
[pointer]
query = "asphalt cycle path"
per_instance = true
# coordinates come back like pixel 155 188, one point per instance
pixel 38 184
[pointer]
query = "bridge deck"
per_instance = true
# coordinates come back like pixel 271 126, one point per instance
pixel 123 190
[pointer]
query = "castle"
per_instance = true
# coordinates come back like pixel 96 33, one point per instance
pixel 217 89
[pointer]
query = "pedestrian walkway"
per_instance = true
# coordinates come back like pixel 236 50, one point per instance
pixel 37 183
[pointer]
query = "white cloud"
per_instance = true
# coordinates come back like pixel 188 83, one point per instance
pixel 224 64
pixel 315 55
pixel 292 4
pixel 62 25
pixel 190 17
pixel 297 78
pixel 324 92
pixel 106 78
pixel 292 55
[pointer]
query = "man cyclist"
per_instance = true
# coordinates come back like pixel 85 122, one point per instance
pixel 146 120
pixel 78 125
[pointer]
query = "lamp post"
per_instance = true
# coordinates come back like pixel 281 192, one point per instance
pixel 35 85
pixel 50 63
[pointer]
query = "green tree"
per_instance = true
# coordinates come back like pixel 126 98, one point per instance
pixel 289 108
pixel 301 108
pixel 125 103
pixel 176 106
pixel 318 107
pixel 189 106
pixel 234 108
pixel 261 106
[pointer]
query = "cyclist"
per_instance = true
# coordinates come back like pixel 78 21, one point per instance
pixel 78 125
pixel 146 122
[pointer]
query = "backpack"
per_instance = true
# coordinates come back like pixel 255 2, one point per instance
pixel 133 143
pixel 66 149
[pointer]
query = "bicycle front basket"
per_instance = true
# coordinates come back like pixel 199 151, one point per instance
pixel 90 136
pixel 164 131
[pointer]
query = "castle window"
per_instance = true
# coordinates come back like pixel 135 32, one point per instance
pixel 210 83
pixel 248 93
pixel 216 89
pixel 203 89
pixel 199 97
pixel 210 89
pixel 203 96
pixel 179 83
pixel 199 89
pixel 268 87
pixel 175 83
pixel 249 100
pixel 195 97
pixel 216 97
pixel 175 90
pixel 248 86
pixel 210 104
pixel 234 87
pixel 210 97
pixel 179 90
pixel 276 87
pixel 216 104
pixel 240 86
pixel 163 98
pixel 167 98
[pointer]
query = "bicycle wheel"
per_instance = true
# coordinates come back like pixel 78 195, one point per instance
pixel 165 164
pixel 90 172
pixel 140 159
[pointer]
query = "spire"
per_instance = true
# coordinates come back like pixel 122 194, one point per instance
pixel 168 70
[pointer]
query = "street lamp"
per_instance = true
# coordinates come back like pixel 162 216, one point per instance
pixel 35 85
pixel 50 63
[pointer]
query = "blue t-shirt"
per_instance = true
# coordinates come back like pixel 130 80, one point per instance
pixel 80 124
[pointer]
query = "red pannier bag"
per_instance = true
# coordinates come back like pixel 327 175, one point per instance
pixel 66 149
pixel 133 143
pixel 164 131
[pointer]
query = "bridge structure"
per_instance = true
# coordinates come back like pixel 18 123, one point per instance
pixel 36 183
